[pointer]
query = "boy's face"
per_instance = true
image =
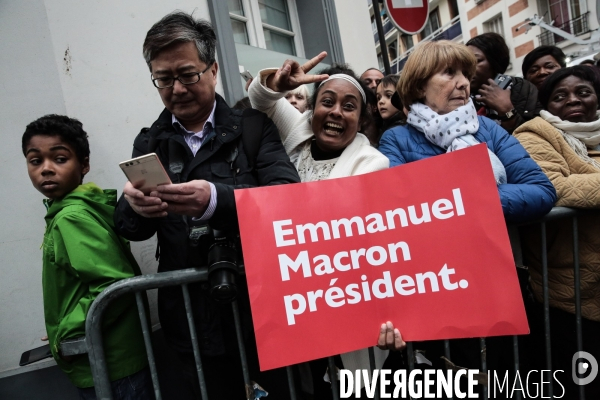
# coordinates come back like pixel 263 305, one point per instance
pixel 53 166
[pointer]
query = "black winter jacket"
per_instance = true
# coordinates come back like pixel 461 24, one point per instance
pixel 212 163
pixel 524 97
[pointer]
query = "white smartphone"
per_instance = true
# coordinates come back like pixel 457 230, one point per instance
pixel 246 75
pixel 145 172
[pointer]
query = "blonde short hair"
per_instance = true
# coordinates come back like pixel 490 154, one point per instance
pixel 302 89
pixel 428 59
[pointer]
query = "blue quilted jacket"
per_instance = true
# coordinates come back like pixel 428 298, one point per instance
pixel 527 195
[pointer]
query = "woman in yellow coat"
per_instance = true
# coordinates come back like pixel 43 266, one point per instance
pixel 565 142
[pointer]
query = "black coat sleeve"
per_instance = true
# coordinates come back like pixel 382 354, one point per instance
pixel 524 96
pixel 272 167
pixel 128 223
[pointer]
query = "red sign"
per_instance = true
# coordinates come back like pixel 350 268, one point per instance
pixel 409 16
pixel 423 245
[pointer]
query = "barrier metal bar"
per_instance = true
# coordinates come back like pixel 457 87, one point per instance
pixel 447 355
pixel 558 213
pixel 194 339
pixel 93 332
pixel 483 354
pixel 335 390
pixel 291 383
pixel 242 348
pixel 555 214
pixel 516 361
pixel 411 356
pixel 577 283
pixel 447 349
pixel 148 343
pixel 73 347
pixel 546 305
pixel 93 339
pixel 372 367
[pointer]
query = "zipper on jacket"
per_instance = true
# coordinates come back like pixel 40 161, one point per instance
pixel 231 160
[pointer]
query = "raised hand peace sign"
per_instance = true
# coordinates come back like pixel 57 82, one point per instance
pixel 292 74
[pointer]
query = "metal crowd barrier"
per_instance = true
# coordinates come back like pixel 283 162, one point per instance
pixel 93 346
pixel 555 214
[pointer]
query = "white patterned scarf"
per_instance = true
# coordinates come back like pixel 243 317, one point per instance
pixel 452 131
pixel 579 135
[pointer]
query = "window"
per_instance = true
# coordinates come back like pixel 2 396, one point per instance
pixel 268 24
pixel 238 21
pixel 494 25
pixel 453 8
pixel 433 24
pixel 393 51
pixel 407 42
pixel 276 26
pixel 568 15
pixel 561 11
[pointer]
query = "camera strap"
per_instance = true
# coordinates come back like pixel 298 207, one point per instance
pixel 176 160
pixel 252 134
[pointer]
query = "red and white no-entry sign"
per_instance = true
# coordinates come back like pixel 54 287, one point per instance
pixel 409 16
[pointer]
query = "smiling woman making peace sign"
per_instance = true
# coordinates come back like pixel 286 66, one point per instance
pixel 324 143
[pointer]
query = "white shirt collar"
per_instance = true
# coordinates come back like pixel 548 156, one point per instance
pixel 210 119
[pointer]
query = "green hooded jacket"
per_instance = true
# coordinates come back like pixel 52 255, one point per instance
pixel 82 256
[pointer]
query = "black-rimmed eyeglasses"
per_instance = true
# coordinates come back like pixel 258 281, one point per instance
pixel 189 78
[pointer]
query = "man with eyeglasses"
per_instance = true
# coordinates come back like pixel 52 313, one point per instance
pixel 208 150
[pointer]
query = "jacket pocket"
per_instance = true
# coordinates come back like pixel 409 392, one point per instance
pixel 223 173
pixel 240 173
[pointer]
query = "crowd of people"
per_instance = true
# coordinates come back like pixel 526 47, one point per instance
pixel 542 132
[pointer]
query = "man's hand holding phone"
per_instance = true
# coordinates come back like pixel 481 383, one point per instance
pixel 149 206
pixel 189 198
pixel 151 194
pixel 494 97
pixel 145 174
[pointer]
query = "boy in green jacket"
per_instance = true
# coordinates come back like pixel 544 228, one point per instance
pixel 82 255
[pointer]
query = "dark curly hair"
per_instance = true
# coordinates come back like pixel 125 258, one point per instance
pixel 336 68
pixel 540 52
pixel 581 71
pixel 495 49
pixel 68 129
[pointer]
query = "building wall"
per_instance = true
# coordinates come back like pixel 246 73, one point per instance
pixel 514 13
pixel 473 17
pixel 83 59
pixel 445 21
pixel 33 90
pixel 444 10
pixel 356 34
pixel 582 52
